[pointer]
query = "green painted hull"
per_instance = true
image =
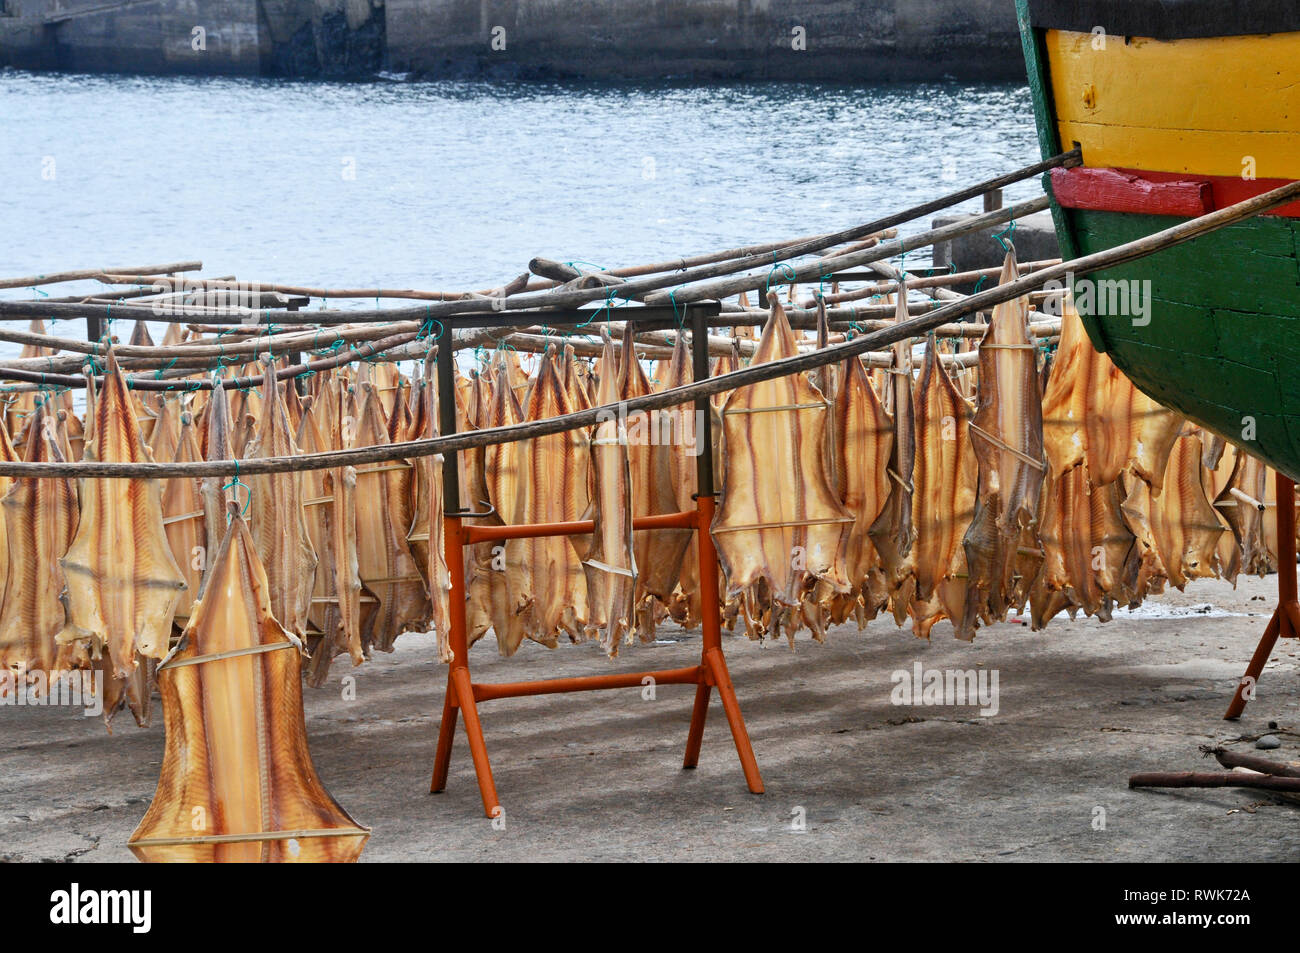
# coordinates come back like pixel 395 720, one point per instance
pixel 1222 344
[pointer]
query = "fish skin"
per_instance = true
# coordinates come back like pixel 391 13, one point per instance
pixel 1185 523
pixel 863 436
pixel 182 507
pixel 1144 573
pixel 337 611
pixel 659 553
pixel 610 564
pixel 1243 549
pixel 236 739
pixel 428 521
pixel 554 490
pixel 386 564
pixel 684 605
pixel 122 581
pixel 217 446
pixel 893 533
pixel 1092 412
pixel 276 515
pixel 943 500
pixel 40 521
pixel 1007 434
pixel 503 475
pixel 774 472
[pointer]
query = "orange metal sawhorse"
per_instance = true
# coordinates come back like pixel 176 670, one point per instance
pixel 463 694
pixel 1285 622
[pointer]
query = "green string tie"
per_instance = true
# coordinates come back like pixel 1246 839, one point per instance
pixel 778 267
pixel 248 492
pixel 1010 232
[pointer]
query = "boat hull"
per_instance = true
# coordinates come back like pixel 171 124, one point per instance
pixel 1172 127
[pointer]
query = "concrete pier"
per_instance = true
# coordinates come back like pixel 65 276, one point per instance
pixel 836 40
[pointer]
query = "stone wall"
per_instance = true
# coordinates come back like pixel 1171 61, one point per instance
pixel 848 40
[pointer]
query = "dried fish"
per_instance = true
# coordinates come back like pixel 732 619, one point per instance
pixel 943 501
pixel 780 520
pixel 610 566
pixel 40 519
pixel 1092 412
pixel 1007 433
pixel 386 565
pixel 122 582
pixel 237 782
pixel 276 514
pixel 652 441
pixel 863 441
pixel 553 590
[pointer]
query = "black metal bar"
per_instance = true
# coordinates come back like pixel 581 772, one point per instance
pixel 703 407
pixel 94 329
pixel 446 361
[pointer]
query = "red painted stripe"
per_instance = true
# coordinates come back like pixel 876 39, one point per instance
pixel 1159 193
pixel 1111 190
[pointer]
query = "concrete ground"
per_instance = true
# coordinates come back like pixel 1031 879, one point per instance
pixel 597 776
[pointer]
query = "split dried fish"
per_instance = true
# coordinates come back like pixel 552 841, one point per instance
pixel 863 441
pixel 943 501
pixel 609 564
pixel 1093 413
pixel 122 582
pixel 554 489
pixel 386 564
pixel 276 514
pixel 237 783
pixel 40 519
pixel 780 521
pixel 651 440
pixel 1007 433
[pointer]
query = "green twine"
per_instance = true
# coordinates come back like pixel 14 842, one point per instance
pixel 166 367
pixel 983 278
pixel 248 492
pixel 1010 232
pixel 781 265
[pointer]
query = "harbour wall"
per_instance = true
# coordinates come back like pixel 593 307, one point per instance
pixel 834 40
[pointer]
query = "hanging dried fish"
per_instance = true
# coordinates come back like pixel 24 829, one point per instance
pixel 554 471
pixel 652 440
pixel 1092 412
pixel 386 565
pixel 863 441
pixel 123 584
pixel 943 500
pixel 780 520
pixel 182 509
pixel 610 566
pixel 276 514
pixel 40 520
pixel 1007 433
pixel 496 568
pixel 237 782
pixel 340 611
pixel 430 551
pixel 1245 550
pixel 1186 527
pixel 217 446
pixel 893 532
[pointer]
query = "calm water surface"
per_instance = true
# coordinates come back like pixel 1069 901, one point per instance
pixel 455 185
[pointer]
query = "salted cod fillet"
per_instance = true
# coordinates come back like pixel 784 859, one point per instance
pixel 122 581
pixel 609 564
pixel 235 761
pixel 1007 433
pixel 780 521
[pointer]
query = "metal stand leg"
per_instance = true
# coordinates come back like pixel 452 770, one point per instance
pixel 1285 622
